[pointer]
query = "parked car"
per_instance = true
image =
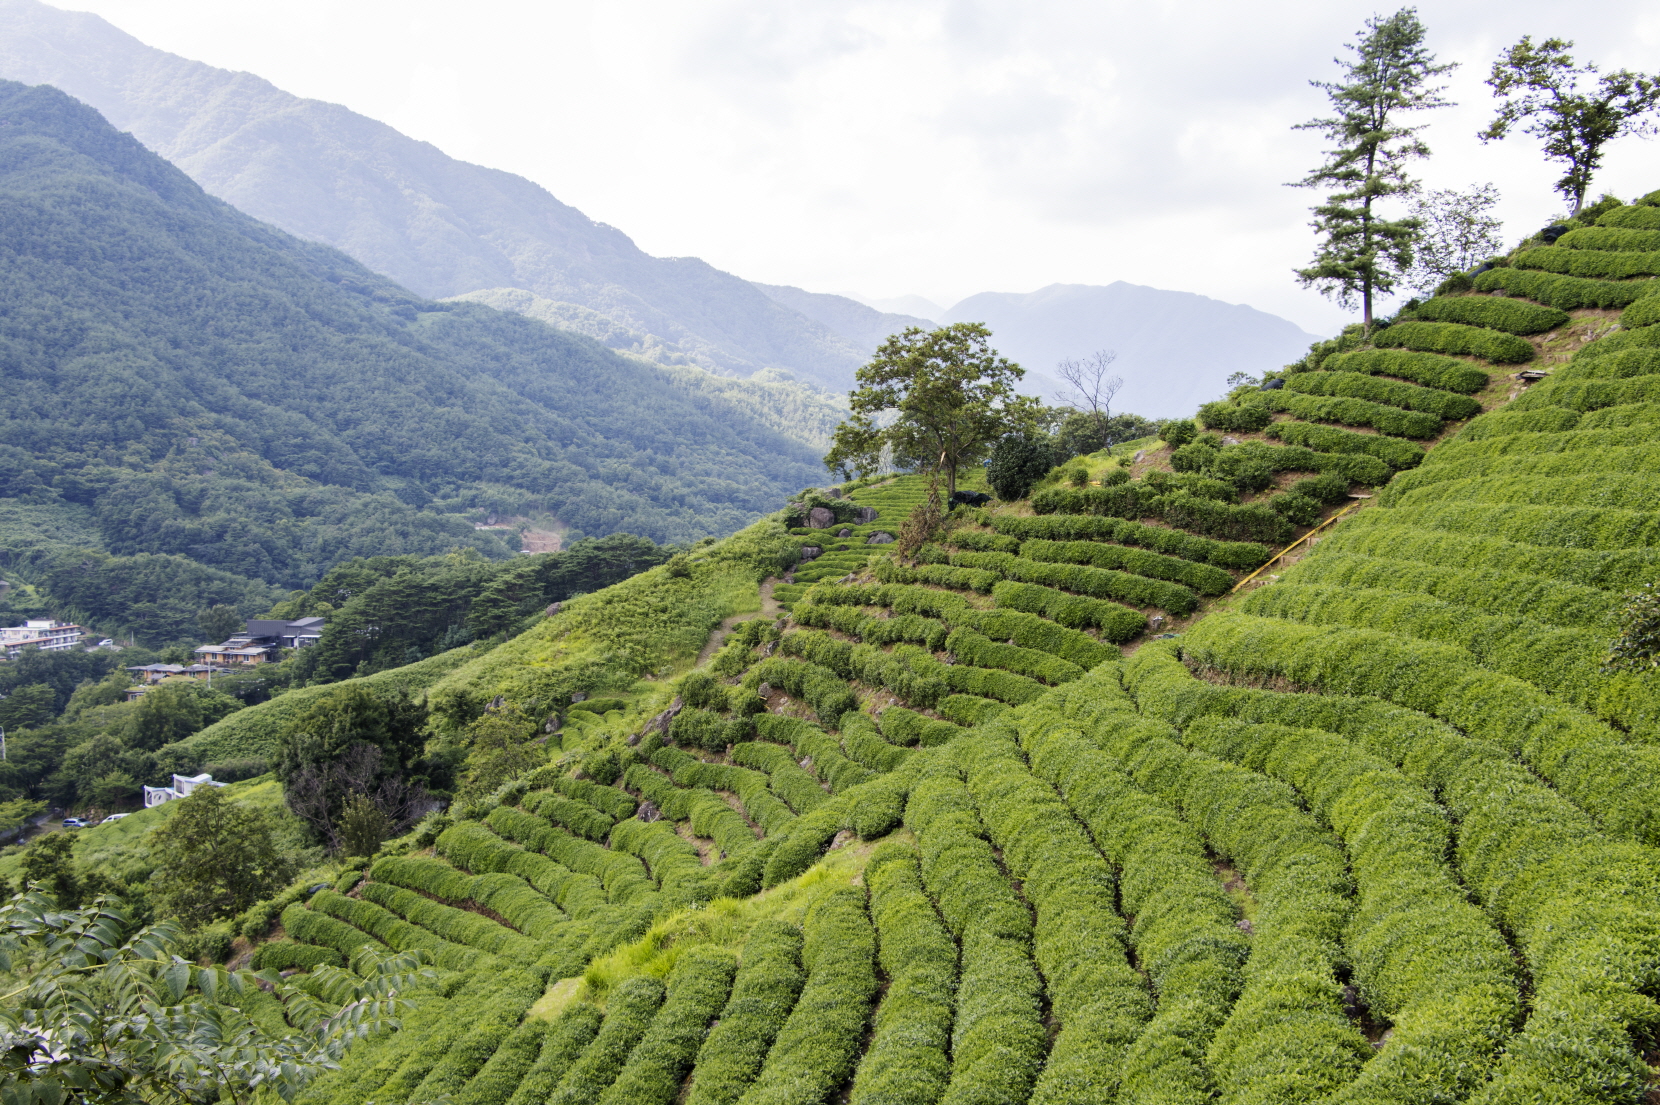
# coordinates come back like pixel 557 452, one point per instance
pixel 115 817
pixel 73 823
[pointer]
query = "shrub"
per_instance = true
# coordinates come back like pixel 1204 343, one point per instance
pixel 1246 417
pixel 864 743
pixel 1116 623
pixel 768 982
pixel 1178 431
pixel 285 955
pixel 1506 422
pixel 908 1058
pixel 1073 527
pixel 1392 392
pixel 1452 337
pixel 579 817
pixel 790 781
pixel 1638 216
pixel 1644 312
pixel 1589 263
pixel 698 989
pixel 1017 462
pixel 1298 508
pixel 907 727
pixel 828 695
pixel 1203 578
pixel 566 1039
pixel 629 1013
pixel 1358 412
pixel 1567 293
pixel 1494 313
pixel 1610 238
pixel 1103 583
pixel 817 1047
pixel 1328 439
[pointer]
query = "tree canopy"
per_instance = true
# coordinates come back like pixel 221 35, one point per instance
pixel 935 400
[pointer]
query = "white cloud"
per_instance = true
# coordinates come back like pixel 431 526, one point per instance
pixel 937 147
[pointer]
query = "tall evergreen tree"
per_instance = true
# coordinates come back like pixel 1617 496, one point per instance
pixel 1540 84
pixel 1361 253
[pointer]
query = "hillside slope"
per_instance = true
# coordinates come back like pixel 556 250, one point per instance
pixel 1175 349
pixel 1376 828
pixel 401 207
pixel 215 388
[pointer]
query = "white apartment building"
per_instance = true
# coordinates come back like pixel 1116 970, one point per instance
pixel 49 635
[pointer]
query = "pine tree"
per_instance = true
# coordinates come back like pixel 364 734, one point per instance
pixel 1361 253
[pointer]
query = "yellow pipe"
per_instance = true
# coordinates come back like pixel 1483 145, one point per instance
pixel 1311 533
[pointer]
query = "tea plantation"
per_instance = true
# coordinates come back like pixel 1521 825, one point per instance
pixel 1367 822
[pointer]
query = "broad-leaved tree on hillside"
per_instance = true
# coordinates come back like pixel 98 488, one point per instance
pixel 939 398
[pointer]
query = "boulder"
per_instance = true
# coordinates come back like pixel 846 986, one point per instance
pixel 580 696
pixel 883 538
pixel 833 492
pixel 820 517
pixel 866 514
pixel 1229 439
pixel 844 532
pixel 553 609
pixel 648 812
pixel 1140 454
pixel 811 552
pixel 764 690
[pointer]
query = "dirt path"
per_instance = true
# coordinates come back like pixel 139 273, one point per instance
pixel 769 609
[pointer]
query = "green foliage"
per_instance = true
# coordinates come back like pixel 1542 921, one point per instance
pixel 1357 412
pixel 1593 264
pixel 215 858
pixel 1637 648
pixel 1492 312
pixel 1017 462
pixel 1567 293
pixel 1610 238
pixel 363 826
pixel 1379 390
pixel 954 398
pixel 1076 527
pixel 1177 431
pixel 768 982
pixel 1429 369
pixel 1243 418
pixel 1452 337
pixel 1644 312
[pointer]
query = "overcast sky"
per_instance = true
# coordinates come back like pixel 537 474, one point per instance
pixel 936 147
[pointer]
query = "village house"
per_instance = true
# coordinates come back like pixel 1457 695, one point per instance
pixel 262 642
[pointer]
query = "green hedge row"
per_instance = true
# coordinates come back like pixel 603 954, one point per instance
pixel 1623 365
pixel 906 727
pixel 1116 623
pixel 1455 338
pixel 768 983
pixel 810 742
pixel 908 671
pixel 999 1040
pixel 470 845
pixel 1622 492
pixel 981 541
pixel 1203 578
pixel 1590 395
pixel 790 781
pixel 410 1076
pixel 508 896
pixel 1564 530
pixel 1492 312
pixel 1250 465
pixel 807 838
pixel 287 955
pixel 865 743
pixel 1287 1037
pixel 1238 555
pixel 1424 957
pixel 909 1055
pixel 471 1041
pixel 928 632
pixel 1637 414
pixel 1080 946
pixel 1503 423
pixel 629 1011
pixel 1356 412
pixel 394 931
pixel 1329 439
pixel 698 989
pixel 1577 903
pixel 1610 238
pixel 1185 935
pixel 819 1044
pixel 459 926
pixel 1236 418
pixel 969 710
pixel 1620 437
pixel 1637 216
pixel 1580 262
pixel 1100 583
pixel 1429 369
pixel 753 788
pixel 1394 393
pixel 1644 312
pixel 978 650
pixel 562 1041
pixel 1495 591
pixel 822 689
pixel 1568 293
pixel 314 928
pixel 889 570
pixel 1032 632
pixel 672 860
pixel 1613 462
pixel 623 877
pixel 1616 782
pixel 1205 517
pixel 610 800
pixel 507 1066
pixel 579 817
pixel 693 727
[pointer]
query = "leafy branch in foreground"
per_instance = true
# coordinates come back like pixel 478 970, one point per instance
pixel 106 1014
pixel 1540 85
pixel 1637 648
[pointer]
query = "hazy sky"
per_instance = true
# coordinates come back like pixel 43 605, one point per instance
pixel 938 147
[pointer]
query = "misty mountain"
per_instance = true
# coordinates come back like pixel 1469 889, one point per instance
pixel 862 326
pixel 906 305
pixel 1175 349
pixel 200 384
pixel 439 226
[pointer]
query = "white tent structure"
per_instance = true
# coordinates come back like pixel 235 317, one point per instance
pixel 182 785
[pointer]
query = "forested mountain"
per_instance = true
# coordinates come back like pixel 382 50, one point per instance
pixel 1175 349
pixel 208 386
pixel 403 208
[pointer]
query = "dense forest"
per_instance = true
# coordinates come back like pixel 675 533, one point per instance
pixel 204 387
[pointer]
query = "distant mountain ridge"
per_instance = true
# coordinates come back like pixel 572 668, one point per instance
pixel 439 226
pixel 1175 349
